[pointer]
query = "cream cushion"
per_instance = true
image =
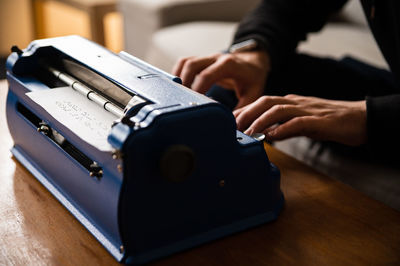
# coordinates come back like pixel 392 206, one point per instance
pixel 203 38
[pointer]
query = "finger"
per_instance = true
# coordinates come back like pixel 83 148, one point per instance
pixel 276 114
pixel 252 94
pixel 246 100
pixel 257 108
pixel 228 84
pixel 238 111
pixel 223 68
pixel 177 69
pixel 298 126
pixel 194 66
pixel 271 128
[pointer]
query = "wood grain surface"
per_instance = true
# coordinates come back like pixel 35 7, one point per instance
pixel 324 222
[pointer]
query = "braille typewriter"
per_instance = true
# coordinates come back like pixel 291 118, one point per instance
pixel 148 166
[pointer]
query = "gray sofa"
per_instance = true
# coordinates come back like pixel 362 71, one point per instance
pixel 144 19
pixel 161 31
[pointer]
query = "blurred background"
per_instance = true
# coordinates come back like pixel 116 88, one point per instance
pixel 161 31
pixel 22 21
pixel 122 25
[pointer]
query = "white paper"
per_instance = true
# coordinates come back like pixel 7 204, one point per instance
pixel 82 116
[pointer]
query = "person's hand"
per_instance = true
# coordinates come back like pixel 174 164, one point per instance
pixel 243 72
pixel 292 115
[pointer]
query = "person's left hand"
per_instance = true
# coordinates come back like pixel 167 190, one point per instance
pixel 293 115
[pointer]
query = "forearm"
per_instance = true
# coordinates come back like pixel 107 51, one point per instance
pixel 280 24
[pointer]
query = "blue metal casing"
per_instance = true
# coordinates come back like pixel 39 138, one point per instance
pixel 135 209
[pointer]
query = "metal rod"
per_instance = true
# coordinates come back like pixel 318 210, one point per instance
pixel 86 91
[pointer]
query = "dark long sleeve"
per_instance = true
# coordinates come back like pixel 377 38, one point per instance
pixel 383 126
pixel 280 24
pixel 383 107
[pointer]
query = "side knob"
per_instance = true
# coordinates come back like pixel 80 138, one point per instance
pixel 177 163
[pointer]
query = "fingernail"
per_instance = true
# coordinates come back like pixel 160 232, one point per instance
pixel 249 131
pixel 270 134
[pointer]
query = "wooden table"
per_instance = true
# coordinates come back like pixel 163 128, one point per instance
pixel 324 223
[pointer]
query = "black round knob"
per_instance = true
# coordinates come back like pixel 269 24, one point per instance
pixel 15 49
pixel 177 163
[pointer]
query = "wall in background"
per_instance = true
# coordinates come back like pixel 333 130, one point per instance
pixel 53 19
pixel 114 32
pixel 16 27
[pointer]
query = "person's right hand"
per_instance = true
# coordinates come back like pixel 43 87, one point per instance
pixel 243 72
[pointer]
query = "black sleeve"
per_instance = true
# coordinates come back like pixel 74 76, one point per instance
pixel 279 25
pixel 383 126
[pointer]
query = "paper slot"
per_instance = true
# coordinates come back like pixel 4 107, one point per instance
pixel 85 118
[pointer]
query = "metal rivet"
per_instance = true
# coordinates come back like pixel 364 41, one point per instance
pixel 121 249
pixel 116 154
pixel 222 183
pixel 193 103
pixel 119 167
